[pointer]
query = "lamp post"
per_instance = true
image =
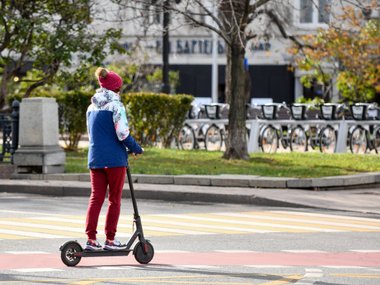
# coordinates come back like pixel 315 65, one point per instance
pixel 165 48
pixel 214 67
pixel 166 45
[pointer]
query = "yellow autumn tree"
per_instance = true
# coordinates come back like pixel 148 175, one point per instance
pixel 349 51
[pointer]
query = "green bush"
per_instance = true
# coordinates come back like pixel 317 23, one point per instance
pixel 152 116
pixel 155 117
pixel 72 107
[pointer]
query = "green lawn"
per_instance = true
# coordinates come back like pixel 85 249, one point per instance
pixel 176 162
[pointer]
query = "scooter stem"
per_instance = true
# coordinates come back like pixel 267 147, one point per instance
pixel 133 198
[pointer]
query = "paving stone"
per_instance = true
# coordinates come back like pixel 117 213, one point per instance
pixel 229 181
pixel 300 183
pixel 269 182
pixel 154 179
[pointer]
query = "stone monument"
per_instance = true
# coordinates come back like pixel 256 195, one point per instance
pixel 39 150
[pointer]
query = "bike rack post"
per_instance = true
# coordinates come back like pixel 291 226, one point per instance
pixel 253 142
pixel 341 145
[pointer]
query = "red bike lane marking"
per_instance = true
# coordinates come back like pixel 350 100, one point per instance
pixel 53 260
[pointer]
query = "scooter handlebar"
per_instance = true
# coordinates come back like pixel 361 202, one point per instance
pixel 131 152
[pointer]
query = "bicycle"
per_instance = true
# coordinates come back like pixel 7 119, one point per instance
pixel 313 130
pixel 186 137
pixel 298 137
pixel 192 134
pixel 271 135
pixel 329 134
pixel 303 136
pixel 216 133
pixel 365 138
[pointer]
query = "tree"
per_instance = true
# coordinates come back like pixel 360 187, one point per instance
pixel 46 34
pixel 139 76
pixel 347 51
pixel 232 21
pixel 237 22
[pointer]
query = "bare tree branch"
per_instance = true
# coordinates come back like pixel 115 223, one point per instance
pixel 275 19
pixel 210 13
pixel 220 32
pixel 259 3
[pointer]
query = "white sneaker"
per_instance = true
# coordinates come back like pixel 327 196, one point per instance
pixel 114 245
pixel 93 245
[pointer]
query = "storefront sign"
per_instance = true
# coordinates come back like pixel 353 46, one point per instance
pixel 260 46
pixel 196 46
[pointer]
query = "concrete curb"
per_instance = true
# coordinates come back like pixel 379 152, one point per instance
pixel 335 181
pixel 358 200
pixel 190 193
pixel 245 181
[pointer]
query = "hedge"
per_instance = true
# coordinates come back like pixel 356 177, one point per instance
pixel 156 117
pixel 72 108
pixel 152 117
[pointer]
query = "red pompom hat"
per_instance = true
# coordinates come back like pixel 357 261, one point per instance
pixel 111 82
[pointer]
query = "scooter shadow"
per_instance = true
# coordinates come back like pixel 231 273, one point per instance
pixel 167 268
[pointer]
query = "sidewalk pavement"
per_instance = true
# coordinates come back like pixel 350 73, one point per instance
pixel 356 193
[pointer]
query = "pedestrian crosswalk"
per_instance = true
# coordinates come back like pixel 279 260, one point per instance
pixel 23 225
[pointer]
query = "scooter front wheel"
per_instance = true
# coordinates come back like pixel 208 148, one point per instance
pixel 69 253
pixel 143 252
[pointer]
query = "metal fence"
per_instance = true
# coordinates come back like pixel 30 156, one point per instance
pixel 9 128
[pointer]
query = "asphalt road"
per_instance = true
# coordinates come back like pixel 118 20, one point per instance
pixel 195 243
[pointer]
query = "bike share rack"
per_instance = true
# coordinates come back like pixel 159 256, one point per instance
pixel 343 130
pixel 255 126
pixel 331 115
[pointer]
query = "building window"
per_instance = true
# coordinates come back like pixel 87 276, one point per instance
pixel 313 12
pixel 306 11
pixel 324 10
pixel 157 15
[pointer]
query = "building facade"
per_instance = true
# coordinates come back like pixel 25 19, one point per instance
pixel 273 77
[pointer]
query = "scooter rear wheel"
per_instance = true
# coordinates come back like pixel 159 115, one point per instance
pixel 143 252
pixel 68 255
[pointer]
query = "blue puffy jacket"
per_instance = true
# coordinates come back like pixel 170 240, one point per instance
pixel 108 131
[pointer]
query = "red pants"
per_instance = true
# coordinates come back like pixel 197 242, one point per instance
pixel 100 180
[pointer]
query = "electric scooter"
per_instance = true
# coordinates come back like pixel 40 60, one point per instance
pixel 72 252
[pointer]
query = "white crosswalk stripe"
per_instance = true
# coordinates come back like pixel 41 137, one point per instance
pixel 24 233
pixel 343 223
pixel 251 224
pixel 34 225
pixel 365 250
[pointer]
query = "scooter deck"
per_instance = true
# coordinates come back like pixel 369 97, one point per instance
pixel 103 252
